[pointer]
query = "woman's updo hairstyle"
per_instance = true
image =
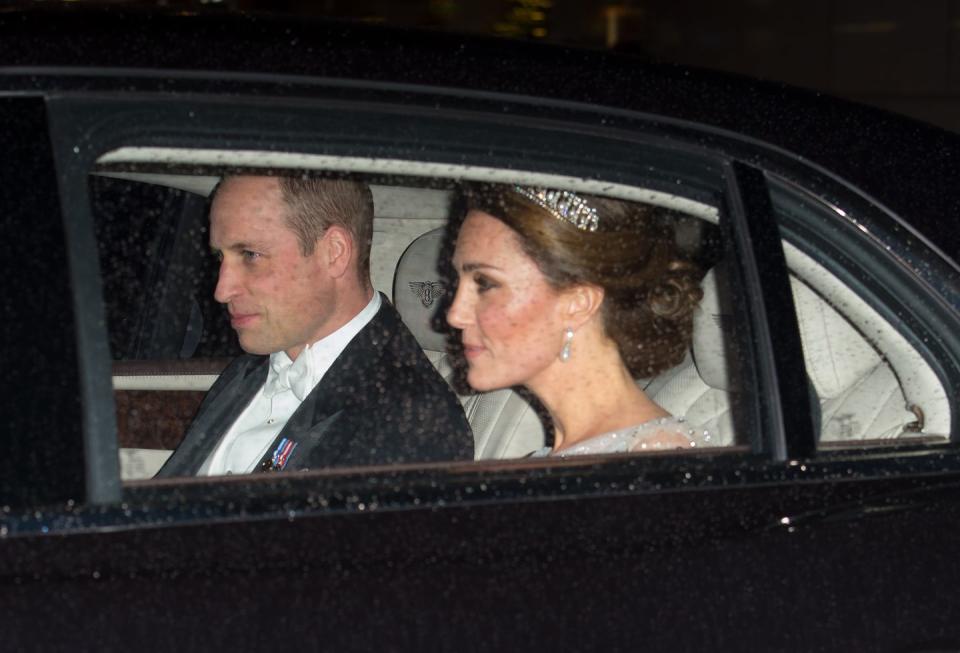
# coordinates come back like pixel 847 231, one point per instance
pixel 649 292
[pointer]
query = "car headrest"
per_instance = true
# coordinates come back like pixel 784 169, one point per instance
pixel 418 289
pixel 710 321
pixel 836 355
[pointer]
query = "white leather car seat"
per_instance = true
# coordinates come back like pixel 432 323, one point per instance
pixel 859 394
pixel 504 424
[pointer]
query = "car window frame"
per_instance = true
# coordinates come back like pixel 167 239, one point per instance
pixel 77 150
pixel 786 411
pixel 44 329
pixel 917 269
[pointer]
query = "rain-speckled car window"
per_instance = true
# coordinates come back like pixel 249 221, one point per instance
pixel 158 277
pixel 861 336
pixel 204 293
pixel 168 337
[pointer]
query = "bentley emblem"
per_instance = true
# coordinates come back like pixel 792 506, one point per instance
pixel 428 291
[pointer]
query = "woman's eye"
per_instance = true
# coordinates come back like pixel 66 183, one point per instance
pixel 483 283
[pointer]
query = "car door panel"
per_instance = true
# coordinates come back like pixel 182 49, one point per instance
pixel 773 544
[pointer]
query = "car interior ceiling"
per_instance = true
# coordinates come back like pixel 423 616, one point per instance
pixel 864 384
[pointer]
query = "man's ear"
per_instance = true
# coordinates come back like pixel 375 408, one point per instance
pixel 337 250
pixel 582 302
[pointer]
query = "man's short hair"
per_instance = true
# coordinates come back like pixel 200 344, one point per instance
pixel 315 204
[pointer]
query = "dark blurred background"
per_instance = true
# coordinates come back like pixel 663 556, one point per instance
pixel 898 55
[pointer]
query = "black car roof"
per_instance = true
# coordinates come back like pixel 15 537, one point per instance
pixel 908 166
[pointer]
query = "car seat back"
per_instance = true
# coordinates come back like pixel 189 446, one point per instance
pixel 857 393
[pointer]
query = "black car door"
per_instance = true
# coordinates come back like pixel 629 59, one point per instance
pixel 770 543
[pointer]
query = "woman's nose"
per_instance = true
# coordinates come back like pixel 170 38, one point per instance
pixel 458 314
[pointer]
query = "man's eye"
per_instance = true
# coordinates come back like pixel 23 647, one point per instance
pixel 249 256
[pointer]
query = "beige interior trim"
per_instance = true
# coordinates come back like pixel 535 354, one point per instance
pixel 298 161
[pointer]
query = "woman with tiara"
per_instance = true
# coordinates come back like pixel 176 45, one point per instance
pixel 575 297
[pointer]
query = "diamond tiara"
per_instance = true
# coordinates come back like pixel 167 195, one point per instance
pixel 563 205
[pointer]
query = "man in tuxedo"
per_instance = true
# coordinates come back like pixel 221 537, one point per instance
pixel 331 376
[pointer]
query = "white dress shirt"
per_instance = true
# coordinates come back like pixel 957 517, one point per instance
pixel 288 383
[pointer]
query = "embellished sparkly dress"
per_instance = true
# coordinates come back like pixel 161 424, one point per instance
pixel 636 438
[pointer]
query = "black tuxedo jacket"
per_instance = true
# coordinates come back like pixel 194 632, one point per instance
pixel 381 402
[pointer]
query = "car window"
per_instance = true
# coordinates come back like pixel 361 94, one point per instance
pixel 158 267
pixel 863 330
pixel 158 279
pixel 170 341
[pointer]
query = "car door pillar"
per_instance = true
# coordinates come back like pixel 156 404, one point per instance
pixel 785 410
